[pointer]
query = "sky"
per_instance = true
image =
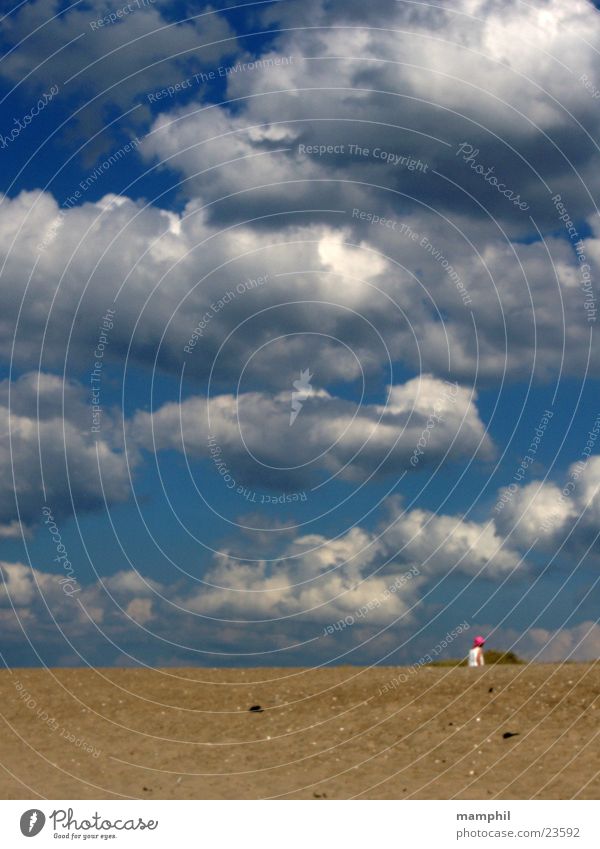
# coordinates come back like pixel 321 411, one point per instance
pixel 298 345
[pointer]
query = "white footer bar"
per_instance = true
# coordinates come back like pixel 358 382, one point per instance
pixel 301 825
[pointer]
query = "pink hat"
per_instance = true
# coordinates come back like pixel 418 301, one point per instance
pixel 478 641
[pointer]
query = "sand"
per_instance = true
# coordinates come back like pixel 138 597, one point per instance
pixel 334 733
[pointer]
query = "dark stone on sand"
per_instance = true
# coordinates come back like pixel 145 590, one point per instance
pixel 256 709
pixel 491 690
pixel 508 734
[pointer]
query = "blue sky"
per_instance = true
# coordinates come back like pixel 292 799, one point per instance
pixel 234 185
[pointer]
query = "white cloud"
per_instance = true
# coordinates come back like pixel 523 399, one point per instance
pixel 551 513
pixel 370 578
pixel 115 65
pixel 324 579
pixel 140 610
pixel 169 271
pixel 47 447
pixel 401 78
pixel 443 543
pixel 426 420
pixel 17 586
pixel 579 642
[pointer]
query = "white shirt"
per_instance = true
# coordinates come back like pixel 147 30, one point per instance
pixel 474 655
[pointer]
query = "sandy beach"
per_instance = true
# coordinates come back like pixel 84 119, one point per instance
pixel 335 733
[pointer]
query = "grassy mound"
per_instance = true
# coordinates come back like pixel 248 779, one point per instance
pixel 491 658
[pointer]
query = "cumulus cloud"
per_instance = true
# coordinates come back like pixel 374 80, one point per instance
pixel 424 421
pixel 53 605
pixel 492 77
pixel 49 454
pixel 446 543
pixel 55 456
pixel 482 303
pixel 321 579
pixel 172 278
pixel 552 514
pixel 328 221
pixel 17 586
pixel 579 642
pixel 112 64
pixel 488 73
pixel 167 275
pixel 367 579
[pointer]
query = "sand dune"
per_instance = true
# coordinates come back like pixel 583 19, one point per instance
pixel 333 733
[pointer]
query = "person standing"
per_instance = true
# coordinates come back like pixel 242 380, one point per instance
pixel 476 657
